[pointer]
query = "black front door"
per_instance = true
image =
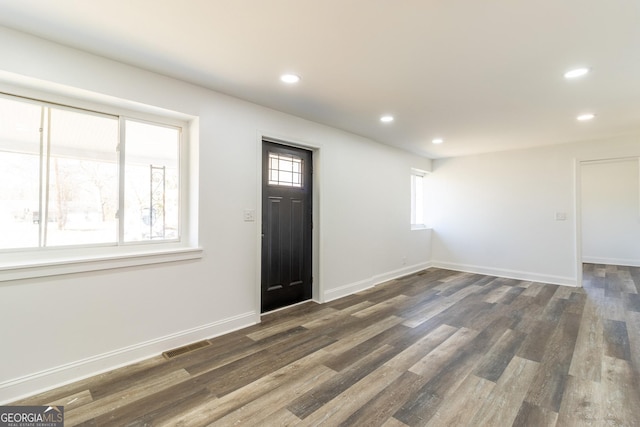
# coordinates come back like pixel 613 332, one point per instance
pixel 286 225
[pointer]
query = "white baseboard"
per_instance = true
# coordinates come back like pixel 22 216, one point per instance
pixel 19 388
pixel 508 274
pixel 361 285
pixel 345 290
pixel 612 261
pixel 405 271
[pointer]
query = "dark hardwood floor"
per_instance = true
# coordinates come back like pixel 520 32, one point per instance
pixel 435 348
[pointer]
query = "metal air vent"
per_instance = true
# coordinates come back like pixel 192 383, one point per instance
pixel 186 349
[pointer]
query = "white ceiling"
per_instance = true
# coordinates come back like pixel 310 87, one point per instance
pixel 483 75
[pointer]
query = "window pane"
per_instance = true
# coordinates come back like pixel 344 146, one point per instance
pixel 19 173
pixel 285 170
pixel 83 179
pixel 151 182
pixel 419 200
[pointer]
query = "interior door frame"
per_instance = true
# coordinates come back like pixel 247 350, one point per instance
pixel 316 248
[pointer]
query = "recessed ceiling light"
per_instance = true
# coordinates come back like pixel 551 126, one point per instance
pixel 290 78
pixel 437 141
pixel 585 117
pixel 575 73
pixel 386 119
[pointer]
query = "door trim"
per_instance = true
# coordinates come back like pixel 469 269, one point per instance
pixel 316 260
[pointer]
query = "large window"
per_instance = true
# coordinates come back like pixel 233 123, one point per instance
pixel 74 177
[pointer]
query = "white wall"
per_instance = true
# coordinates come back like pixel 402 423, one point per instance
pixel 57 329
pixel 495 213
pixel 610 202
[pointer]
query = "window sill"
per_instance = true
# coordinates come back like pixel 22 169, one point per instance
pixel 69 264
pixel 419 227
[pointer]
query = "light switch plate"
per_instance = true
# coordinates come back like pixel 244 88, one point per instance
pixel 249 215
pixel 561 216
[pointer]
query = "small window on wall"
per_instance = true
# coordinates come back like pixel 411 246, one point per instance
pixel 285 170
pixel 418 212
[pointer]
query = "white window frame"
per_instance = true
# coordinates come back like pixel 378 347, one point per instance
pixel 416 199
pixel 50 261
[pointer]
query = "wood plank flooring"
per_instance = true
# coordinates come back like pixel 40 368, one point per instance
pixel 438 348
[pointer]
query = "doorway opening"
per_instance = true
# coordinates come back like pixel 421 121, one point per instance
pixel 608 209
